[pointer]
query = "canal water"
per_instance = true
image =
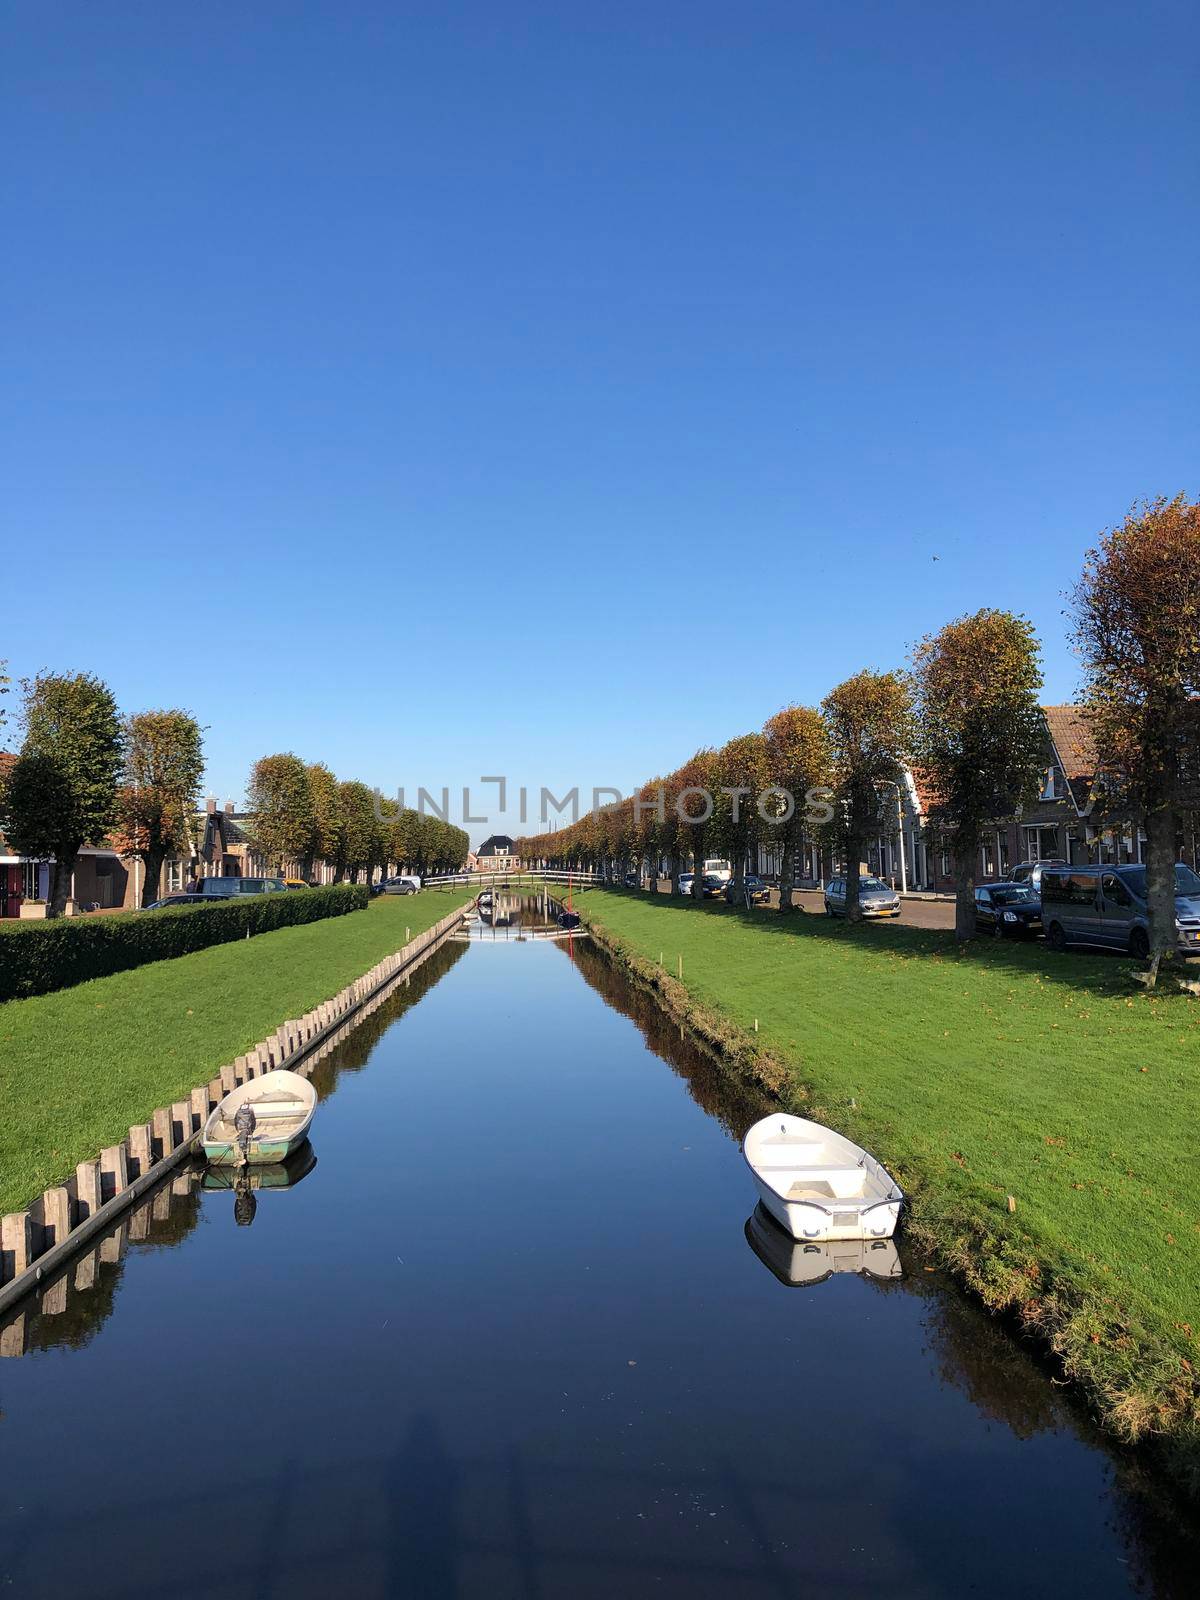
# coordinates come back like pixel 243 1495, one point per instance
pixel 517 1332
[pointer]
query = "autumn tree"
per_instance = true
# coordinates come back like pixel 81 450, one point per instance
pixel 1137 629
pixel 164 763
pixel 692 807
pixel 741 773
pixel 798 760
pixel 4 682
pixel 280 804
pixel 61 792
pixel 979 736
pixel 328 824
pixel 869 723
pixel 361 831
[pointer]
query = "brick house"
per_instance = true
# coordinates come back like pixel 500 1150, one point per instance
pixel 1067 822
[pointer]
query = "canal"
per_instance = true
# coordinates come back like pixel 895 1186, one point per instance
pixel 517 1331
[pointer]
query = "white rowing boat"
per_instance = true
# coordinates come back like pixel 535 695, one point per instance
pixel 261 1121
pixel 800 1263
pixel 819 1185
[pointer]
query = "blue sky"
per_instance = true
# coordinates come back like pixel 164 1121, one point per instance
pixel 549 389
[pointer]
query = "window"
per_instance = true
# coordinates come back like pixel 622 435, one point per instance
pixel 1115 890
pixel 29 880
pixel 1048 792
pixel 174 877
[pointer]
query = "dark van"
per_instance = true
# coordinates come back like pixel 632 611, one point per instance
pixel 1107 906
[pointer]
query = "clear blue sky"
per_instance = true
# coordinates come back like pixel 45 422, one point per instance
pixel 548 389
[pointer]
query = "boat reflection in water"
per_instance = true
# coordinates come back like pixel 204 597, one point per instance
pixel 244 1181
pixel 799 1264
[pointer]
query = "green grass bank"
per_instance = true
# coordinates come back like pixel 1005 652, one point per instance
pixel 78 1066
pixel 1008 1071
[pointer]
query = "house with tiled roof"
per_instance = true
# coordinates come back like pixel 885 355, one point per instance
pixel 1067 821
pixel 498 854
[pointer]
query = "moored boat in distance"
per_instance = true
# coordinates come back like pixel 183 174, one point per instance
pixel 801 1263
pixel 261 1121
pixel 819 1185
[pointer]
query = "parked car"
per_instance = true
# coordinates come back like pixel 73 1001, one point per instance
pixel 1107 906
pixel 632 881
pixel 875 898
pixel 685 882
pixel 296 883
pixel 231 886
pixel 402 883
pixel 1030 872
pixel 717 867
pixel 185 900
pixel 752 885
pixel 1008 910
pixel 711 886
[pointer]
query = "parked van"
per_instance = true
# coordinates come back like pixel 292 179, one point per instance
pixel 1107 906
pixel 225 888
pixel 715 867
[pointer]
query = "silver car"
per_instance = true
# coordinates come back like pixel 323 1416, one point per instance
pixel 875 898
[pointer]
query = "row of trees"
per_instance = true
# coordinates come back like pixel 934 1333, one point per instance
pixel 966 716
pixel 300 813
pixel 85 773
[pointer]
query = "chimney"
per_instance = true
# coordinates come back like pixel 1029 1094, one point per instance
pixel 229 808
pixel 210 805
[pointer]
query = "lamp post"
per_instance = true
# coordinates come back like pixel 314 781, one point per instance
pixel 900 834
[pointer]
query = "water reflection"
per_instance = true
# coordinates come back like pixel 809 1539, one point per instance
pixel 69 1309
pixel 485 1359
pixel 800 1264
pixel 1006 1380
pixel 244 1182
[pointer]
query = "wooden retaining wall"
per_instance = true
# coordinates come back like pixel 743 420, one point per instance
pixel 35 1243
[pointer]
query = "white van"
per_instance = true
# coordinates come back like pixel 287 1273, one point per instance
pixel 714 867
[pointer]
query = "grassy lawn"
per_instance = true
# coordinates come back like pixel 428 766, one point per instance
pixel 77 1067
pixel 1010 1071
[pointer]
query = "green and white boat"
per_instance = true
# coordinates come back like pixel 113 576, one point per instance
pixel 261 1122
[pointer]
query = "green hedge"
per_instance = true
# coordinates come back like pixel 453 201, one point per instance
pixel 36 957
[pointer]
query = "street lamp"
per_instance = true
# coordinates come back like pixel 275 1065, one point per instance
pixel 892 783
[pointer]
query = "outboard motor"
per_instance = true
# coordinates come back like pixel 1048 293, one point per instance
pixel 244 1122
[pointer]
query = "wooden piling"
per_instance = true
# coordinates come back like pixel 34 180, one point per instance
pixel 160 1133
pixel 87 1190
pixel 16 1244
pixel 114 1167
pixel 141 1149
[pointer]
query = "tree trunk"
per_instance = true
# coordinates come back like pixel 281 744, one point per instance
pixel 65 858
pixel 739 868
pixel 697 863
pixel 152 860
pixel 675 865
pixel 853 857
pixel 966 853
pixel 1160 887
pixel 787 871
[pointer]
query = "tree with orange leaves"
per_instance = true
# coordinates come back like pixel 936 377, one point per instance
pixel 980 737
pixel 1137 628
